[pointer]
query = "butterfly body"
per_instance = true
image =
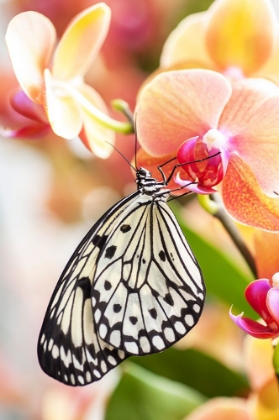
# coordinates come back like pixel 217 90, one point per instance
pixel 132 287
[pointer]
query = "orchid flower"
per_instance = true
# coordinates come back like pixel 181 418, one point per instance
pixel 195 114
pixel 54 79
pixel 237 38
pixel 264 299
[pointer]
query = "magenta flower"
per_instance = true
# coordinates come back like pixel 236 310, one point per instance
pixel 264 299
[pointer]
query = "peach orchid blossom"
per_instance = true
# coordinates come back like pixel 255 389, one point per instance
pixel 237 38
pixel 200 108
pixel 54 79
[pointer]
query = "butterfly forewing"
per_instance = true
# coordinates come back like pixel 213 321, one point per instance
pixel 69 349
pixel 150 293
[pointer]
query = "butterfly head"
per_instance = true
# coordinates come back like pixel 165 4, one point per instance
pixel 146 183
pixel 142 174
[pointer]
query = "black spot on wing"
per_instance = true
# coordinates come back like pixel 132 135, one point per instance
pixel 107 285
pixel 153 313
pixel 117 308
pixel 110 251
pixel 133 320
pixel 162 256
pixel 168 299
pixel 125 228
pixel 99 241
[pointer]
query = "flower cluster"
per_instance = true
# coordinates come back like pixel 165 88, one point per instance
pixel 209 115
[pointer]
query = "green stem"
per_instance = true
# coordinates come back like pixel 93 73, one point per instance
pixel 122 106
pixel 214 207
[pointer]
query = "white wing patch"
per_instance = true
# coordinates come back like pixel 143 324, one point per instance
pixel 132 287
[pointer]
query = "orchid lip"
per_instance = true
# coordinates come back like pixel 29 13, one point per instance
pixel 193 186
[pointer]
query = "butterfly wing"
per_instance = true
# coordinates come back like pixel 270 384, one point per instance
pixel 69 349
pixel 148 290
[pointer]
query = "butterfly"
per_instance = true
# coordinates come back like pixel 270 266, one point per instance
pixel 132 287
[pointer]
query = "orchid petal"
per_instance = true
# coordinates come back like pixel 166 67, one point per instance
pixel 241 33
pixel 63 113
pixel 96 136
pixel 255 294
pixel 244 199
pixel 258 356
pixel 221 408
pixel 264 404
pixel 272 302
pixel 187 43
pixel 266 253
pixel 81 42
pixel 30 39
pixel 178 105
pixel 22 104
pixel 248 96
pixel 250 120
pixel 254 328
pixel 270 70
pixel 31 131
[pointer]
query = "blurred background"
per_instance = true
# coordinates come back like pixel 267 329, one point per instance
pixel 52 191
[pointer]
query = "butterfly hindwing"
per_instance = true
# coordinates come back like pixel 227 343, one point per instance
pixel 148 290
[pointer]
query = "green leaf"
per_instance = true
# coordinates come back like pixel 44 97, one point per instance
pixel 195 369
pixel 276 359
pixel 223 278
pixel 142 395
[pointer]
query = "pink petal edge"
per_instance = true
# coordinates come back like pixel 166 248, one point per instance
pixel 251 327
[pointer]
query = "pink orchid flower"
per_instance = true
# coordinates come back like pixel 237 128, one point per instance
pixel 237 38
pixel 53 79
pixel 194 114
pixel 264 299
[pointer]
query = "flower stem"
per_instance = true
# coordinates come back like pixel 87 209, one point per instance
pixel 213 206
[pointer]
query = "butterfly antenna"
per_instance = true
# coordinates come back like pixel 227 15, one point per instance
pixel 136 142
pixel 121 154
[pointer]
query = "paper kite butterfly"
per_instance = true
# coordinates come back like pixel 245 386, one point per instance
pixel 132 287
